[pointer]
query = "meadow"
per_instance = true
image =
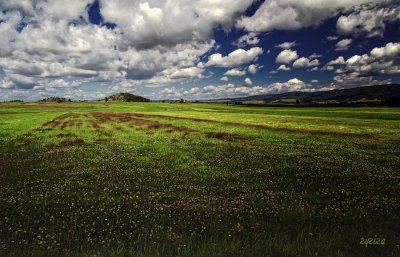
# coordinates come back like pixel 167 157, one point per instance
pixel 160 179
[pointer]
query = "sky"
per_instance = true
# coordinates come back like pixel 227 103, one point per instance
pixel 194 49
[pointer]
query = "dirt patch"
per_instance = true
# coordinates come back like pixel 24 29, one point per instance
pixel 94 124
pixel 224 136
pixel 64 121
pixel 72 142
pixel 63 135
pixel 138 120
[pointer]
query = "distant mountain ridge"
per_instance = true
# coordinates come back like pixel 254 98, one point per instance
pixel 377 92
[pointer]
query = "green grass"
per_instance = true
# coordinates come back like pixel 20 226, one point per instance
pixel 158 179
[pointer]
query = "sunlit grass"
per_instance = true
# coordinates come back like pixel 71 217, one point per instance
pixel 157 179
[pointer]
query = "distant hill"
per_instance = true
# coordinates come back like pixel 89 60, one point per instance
pixel 55 100
pixel 126 97
pixel 377 93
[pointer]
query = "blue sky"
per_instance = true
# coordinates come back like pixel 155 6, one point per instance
pixel 195 49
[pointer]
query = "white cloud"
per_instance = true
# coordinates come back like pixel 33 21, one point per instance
pixel 391 50
pixel 314 81
pixel 179 92
pixel 171 91
pixel 359 69
pixel 367 20
pixel 184 72
pixel 286 56
pixel 23 6
pixel 287 45
pixel 332 38
pixel 295 81
pixel 283 67
pixel 328 68
pixel 55 85
pixel 235 72
pixel 6 83
pixel 304 62
pixel 355 80
pixel 230 90
pixel 253 68
pixel 10 21
pixel 235 58
pixel 22 81
pixel 73 10
pixel 250 39
pixel 315 55
pixel 248 82
pixel 343 44
pixel 159 43
pixel 154 43
pixel 293 14
pixel 225 78
pixel 337 61
pixel 148 23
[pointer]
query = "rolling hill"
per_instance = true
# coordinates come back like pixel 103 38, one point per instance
pixel 126 97
pixel 377 93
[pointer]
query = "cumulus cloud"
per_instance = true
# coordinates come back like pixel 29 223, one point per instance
pixel 153 43
pixel 360 69
pixel 283 67
pixel 250 39
pixel 146 24
pixel 225 78
pixel 21 81
pixel 328 68
pixel 25 7
pixel 52 48
pixel 57 47
pixel 293 14
pixel 190 72
pixel 286 56
pixel 6 83
pixel 287 45
pixel 235 58
pixel 304 62
pixel 230 90
pixel 337 61
pixel 343 44
pixel 389 51
pixel 179 92
pixel 73 10
pixel 248 82
pixel 253 68
pixel 367 20
pixel 235 72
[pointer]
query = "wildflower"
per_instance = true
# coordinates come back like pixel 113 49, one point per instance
pixel 238 228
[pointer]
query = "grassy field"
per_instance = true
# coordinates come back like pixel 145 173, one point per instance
pixel 158 179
